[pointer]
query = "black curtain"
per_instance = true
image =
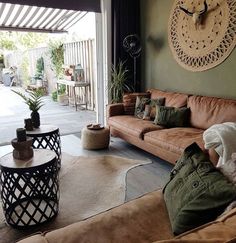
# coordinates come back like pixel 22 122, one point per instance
pixel 80 5
pixel 125 21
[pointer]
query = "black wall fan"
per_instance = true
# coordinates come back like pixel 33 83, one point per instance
pixel 132 45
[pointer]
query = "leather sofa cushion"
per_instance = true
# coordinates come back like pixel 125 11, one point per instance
pixel 207 111
pixel 175 139
pixel 132 125
pixel 171 98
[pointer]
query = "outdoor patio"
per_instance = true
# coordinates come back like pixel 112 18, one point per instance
pixel 13 111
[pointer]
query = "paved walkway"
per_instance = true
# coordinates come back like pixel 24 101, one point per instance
pixel 13 111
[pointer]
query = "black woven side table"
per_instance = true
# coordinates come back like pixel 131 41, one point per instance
pixel 47 137
pixel 29 188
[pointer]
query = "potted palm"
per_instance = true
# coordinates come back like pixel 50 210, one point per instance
pixel 118 84
pixel 34 102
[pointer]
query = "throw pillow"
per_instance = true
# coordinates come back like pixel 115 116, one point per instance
pixel 129 101
pixel 197 192
pixel 150 111
pixel 154 102
pixel 140 106
pixel 172 116
pixel 147 111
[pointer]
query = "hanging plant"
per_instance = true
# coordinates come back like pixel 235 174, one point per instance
pixel 56 51
pixel 39 68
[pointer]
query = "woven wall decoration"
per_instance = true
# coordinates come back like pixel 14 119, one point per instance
pixel 201 46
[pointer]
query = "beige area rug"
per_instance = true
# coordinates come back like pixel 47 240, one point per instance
pixel 88 186
pixel 95 184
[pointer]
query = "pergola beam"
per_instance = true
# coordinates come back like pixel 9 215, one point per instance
pixel 23 29
pixel 82 5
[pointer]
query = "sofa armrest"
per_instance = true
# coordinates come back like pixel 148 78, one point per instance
pixel 115 110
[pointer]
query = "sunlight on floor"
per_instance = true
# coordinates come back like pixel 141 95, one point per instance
pixel 4 111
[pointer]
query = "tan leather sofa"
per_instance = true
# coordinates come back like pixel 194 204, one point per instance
pixel 143 220
pixel 168 144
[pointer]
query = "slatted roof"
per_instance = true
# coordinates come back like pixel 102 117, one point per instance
pixel 15 17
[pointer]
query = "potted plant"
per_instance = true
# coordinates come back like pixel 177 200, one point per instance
pixel 62 97
pixel 118 84
pixel 34 102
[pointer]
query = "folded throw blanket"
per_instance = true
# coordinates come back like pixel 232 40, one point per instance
pixel 221 137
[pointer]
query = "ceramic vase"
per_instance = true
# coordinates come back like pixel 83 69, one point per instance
pixel 35 117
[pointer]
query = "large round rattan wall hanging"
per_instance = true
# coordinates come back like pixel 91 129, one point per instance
pixel 202 34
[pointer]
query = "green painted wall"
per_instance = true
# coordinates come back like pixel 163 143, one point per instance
pixel 160 70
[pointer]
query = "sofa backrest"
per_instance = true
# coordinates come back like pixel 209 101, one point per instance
pixel 171 98
pixel 207 111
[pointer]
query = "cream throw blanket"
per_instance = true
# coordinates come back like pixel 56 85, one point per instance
pixel 221 137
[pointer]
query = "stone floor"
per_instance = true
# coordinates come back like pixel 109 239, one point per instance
pixel 13 111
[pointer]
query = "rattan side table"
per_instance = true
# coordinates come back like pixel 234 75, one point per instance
pixel 29 188
pixel 47 137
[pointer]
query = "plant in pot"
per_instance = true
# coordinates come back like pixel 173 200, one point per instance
pixel 118 84
pixel 34 102
pixel 62 97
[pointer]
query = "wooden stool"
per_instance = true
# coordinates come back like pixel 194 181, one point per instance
pixel 95 139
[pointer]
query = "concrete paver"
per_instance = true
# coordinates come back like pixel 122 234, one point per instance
pixel 13 111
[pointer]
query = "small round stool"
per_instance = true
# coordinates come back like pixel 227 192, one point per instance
pixel 95 139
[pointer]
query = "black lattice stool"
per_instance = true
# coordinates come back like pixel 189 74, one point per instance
pixel 29 188
pixel 47 137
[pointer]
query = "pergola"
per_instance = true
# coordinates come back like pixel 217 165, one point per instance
pixel 41 16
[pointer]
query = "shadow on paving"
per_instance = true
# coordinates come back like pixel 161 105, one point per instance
pixel 13 111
